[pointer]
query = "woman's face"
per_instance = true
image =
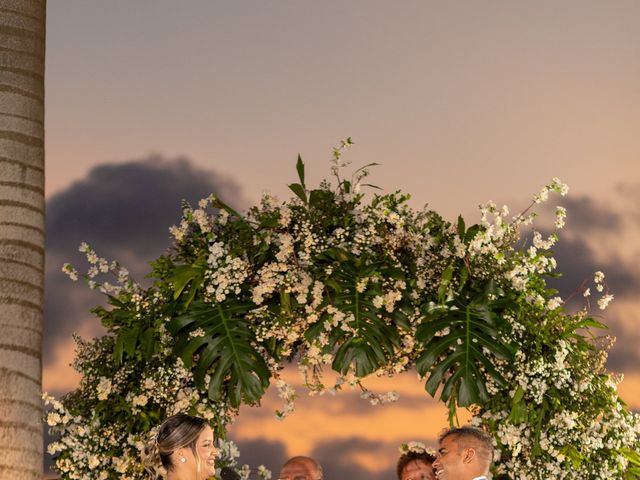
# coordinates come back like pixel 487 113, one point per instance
pixel 201 464
pixel 206 453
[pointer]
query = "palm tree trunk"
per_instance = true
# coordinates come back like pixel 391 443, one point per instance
pixel 22 50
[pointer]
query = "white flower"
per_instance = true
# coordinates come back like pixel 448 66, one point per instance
pixel 264 472
pixel 378 301
pixel 198 332
pixel 604 301
pixel 68 269
pixel 561 214
pixel 53 419
pixel 94 461
pixel 554 303
pixel 140 400
pixel 558 186
pixel 104 388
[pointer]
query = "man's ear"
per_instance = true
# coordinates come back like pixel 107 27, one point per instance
pixel 468 455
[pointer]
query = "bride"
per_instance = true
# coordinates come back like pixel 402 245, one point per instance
pixel 185 448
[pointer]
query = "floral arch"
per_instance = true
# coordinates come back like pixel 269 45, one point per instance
pixel 331 281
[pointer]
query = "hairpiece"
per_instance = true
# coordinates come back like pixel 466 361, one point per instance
pixel 416 447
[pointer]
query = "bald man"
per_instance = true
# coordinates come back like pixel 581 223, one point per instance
pixel 301 468
pixel 464 453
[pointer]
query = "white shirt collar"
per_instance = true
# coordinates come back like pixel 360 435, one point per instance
pixel 481 477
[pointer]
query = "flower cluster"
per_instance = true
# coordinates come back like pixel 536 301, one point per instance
pixel 560 415
pixel 416 447
pixel 103 425
pixel 335 282
pixel 228 455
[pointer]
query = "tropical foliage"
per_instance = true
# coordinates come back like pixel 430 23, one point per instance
pixel 334 281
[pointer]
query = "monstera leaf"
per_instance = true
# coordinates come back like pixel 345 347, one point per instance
pixel 459 342
pixel 371 344
pixel 215 340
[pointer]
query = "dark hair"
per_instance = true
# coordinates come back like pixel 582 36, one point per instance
pixel 228 473
pixel 471 437
pixel 411 456
pixel 177 431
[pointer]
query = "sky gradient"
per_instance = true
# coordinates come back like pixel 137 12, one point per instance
pixel 460 103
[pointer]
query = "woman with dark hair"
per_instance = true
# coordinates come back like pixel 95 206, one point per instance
pixel 184 446
pixel 416 465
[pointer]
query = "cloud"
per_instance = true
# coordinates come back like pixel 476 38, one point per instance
pixel 584 213
pixel 357 458
pixel 625 356
pixel 578 261
pixel 600 238
pixel 129 206
pixel 123 211
pixel 271 454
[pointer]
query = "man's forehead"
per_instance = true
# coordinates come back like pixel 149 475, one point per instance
pixel 449 442
pixel 297 467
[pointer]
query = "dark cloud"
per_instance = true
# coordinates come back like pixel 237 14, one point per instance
pixel 339 458
pixel 625 355
pixel 262 452
pixel 129 206
pixel 586 214
pixel 578 261
pixel 123 211
pixel 631 194
pixel 585 246
pixel 48 459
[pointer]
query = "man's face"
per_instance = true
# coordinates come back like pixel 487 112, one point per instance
pixel 299 471
pixel 418 470
pixel 448 464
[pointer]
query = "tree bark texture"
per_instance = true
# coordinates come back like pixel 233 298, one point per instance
pixel 22 54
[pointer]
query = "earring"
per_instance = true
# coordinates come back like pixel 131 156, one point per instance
pixel 183 460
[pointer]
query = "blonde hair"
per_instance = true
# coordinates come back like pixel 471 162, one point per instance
pixel 177 431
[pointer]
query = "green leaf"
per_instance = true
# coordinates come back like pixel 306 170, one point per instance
pixel 519 412
pixel 471 232
pixel 182 275
pixel 591 322
pixel 375 335
pixel 458 343
pixel 573 455
pixel 444 283
pixel 631 455
pixel 299 191
pixel 220 204
pixel 372 164
pixel 130 340
pixel 300 169
pixel 147 343
pixel 227 350
pixel 464 275
pixel 461 226
pixel 118 350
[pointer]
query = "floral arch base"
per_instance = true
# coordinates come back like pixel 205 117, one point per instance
pixel 333 281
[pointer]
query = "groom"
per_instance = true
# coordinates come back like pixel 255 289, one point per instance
pixel 464 453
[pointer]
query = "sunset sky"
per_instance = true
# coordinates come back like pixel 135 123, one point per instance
pixel 149 102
